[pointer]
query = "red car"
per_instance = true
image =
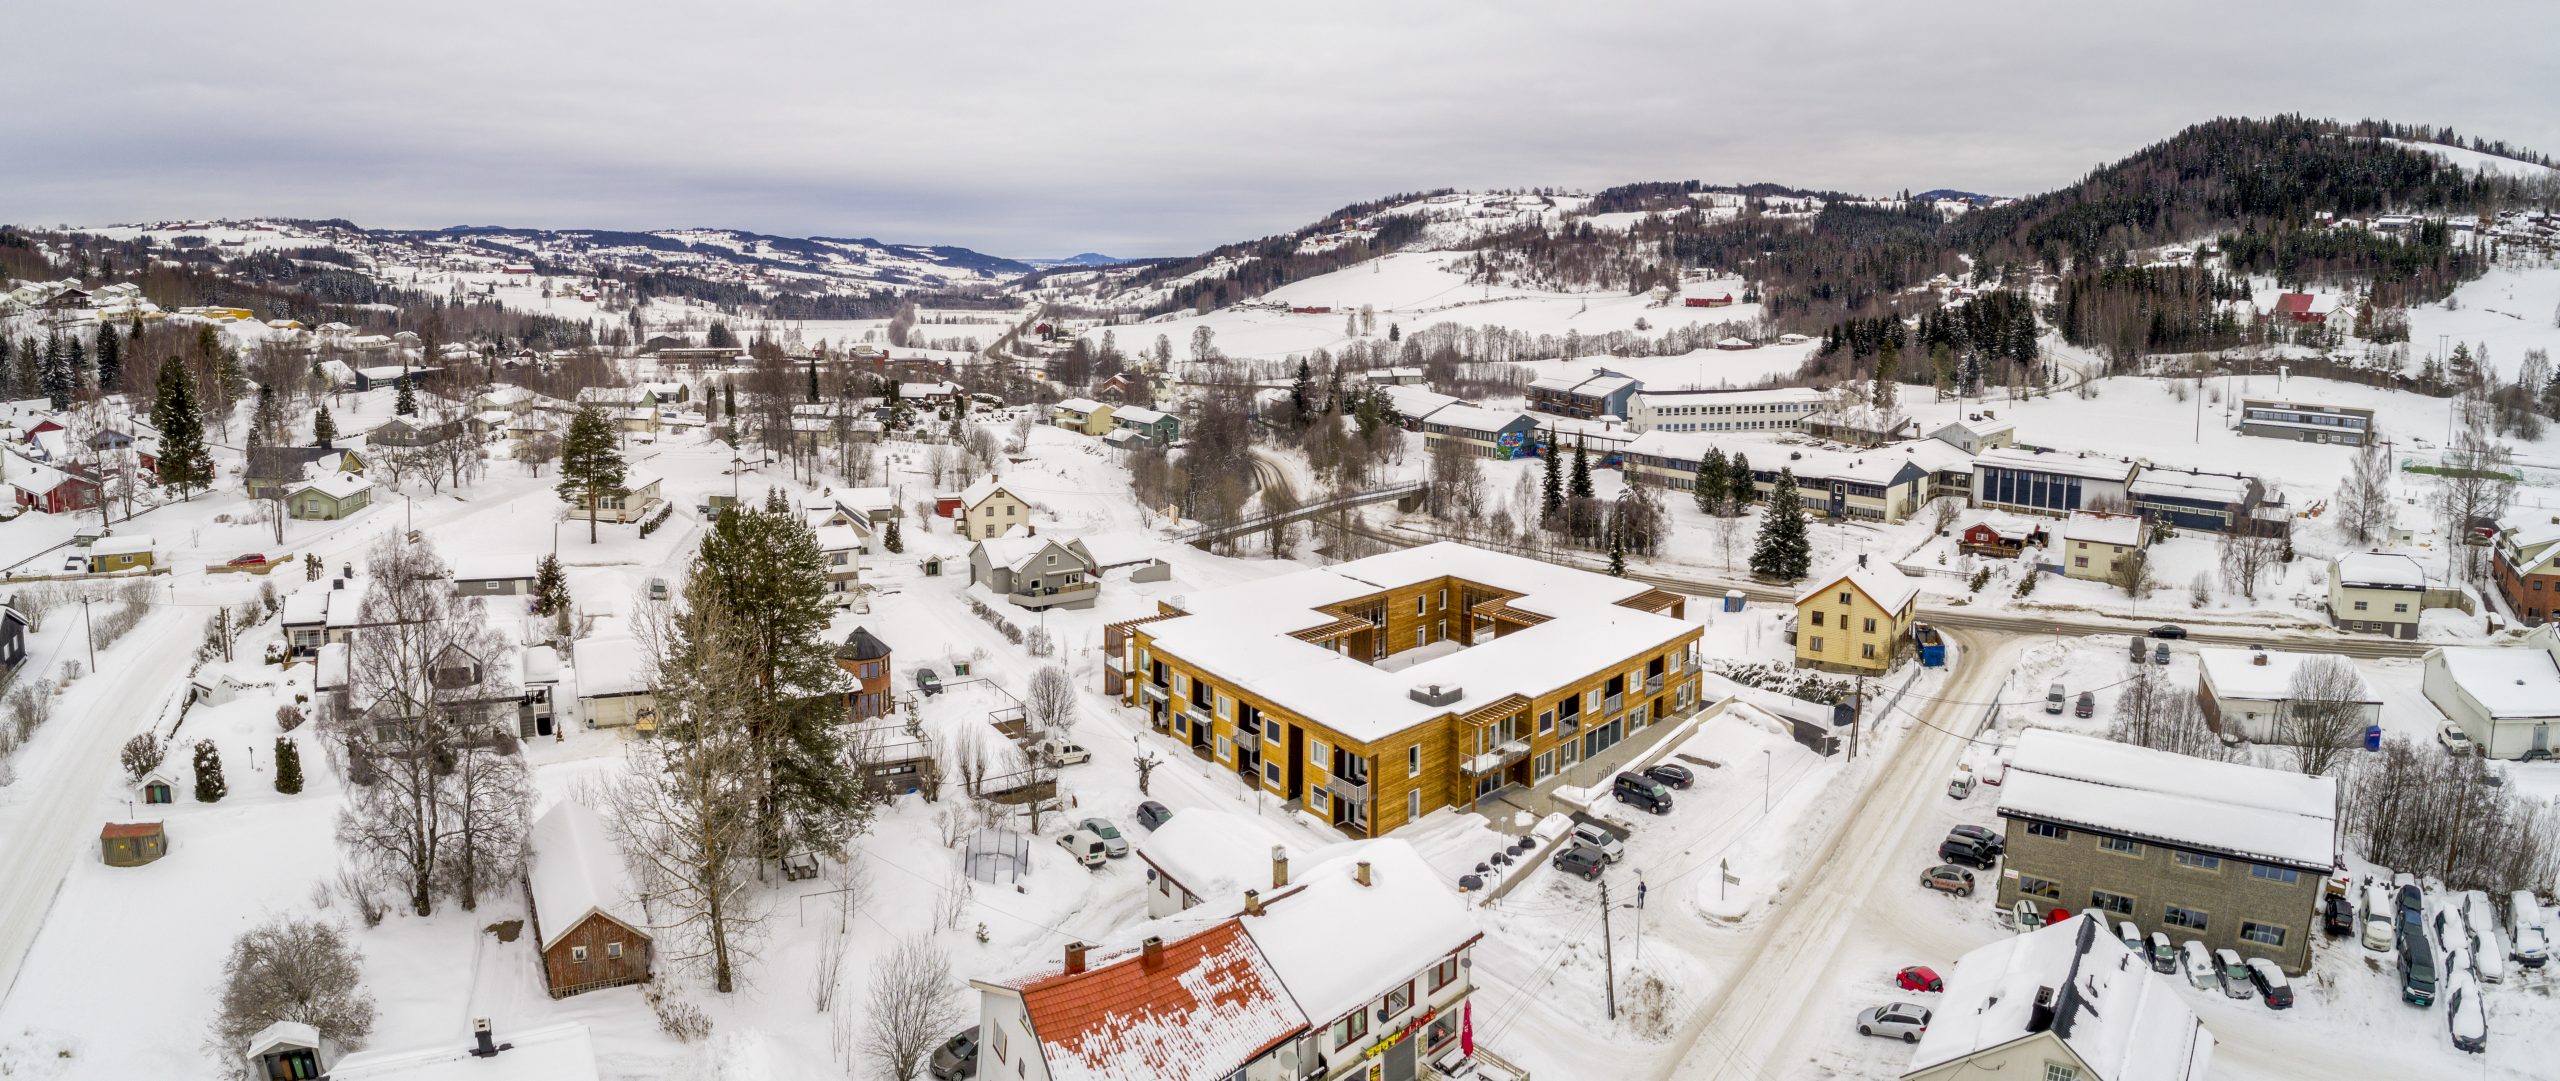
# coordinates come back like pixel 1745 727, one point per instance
pixel 251 560
pixel 1919 978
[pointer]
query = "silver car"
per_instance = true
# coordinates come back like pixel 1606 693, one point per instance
pixel 1113 844
pixel 1901 1020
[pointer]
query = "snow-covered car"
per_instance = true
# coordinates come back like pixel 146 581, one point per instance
pixel 2488 955
pixel 75 565
pixel 2054 698
pixel 1948 878
pixel 2454 738
pixel 2464 1018
pixel 2164 957
pixel 1113 844
pixel 1903 1021
pixel 2269 982
pixel 2234 974
pixel 1919 978
pixel 2198 962
pixel 2528 941
pixel 1597 838
pixel 928 683
pixel 2377 917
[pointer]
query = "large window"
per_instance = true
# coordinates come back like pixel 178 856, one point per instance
pixel 2286 875
pixel 1398 1000
pixel 1351 1028
pixel 2188 918
pixel 2264 934
pixel 2111 902
pixel 1444 974
pixel 2047 830
pixel 2199 861
pixel 2119 846
pixel 2046 888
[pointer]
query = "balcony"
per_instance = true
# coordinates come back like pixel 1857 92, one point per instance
pixel 1198 713
pixel 1355 791
pixel 1653 683
pixel 1113 662
pixel 1497 758
pixel 1611 704
pixel 1071 595
pixel 1156 691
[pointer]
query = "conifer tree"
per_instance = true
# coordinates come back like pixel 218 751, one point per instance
pixel 550 587
pixel 1782 552
pixel 590 465
pixel 185 464
pixel 1617 550
pixel 1302 392
pixel 208 768
pixel 324 428
pixel 53 376
pixel 110 359
pixel 1551 497
pixel 1709 486
pixel 8 367
pixel 288 766
pixel 1580 486
pixel 729 401
pixel 75 360
pixel 813 380
pixel 1737 480
pixel 405 401
pixel 893 542
pixel 1888 381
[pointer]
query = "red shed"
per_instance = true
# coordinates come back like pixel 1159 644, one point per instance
pixel 1312 309
pixel 1717 301
pixel 946 504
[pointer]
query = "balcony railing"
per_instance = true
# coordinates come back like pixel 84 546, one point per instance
pixel 1355 791
pixel 1610 704
pixel 1155 690
pixel 1497 758
pixel 1198 714
pixel 1653 683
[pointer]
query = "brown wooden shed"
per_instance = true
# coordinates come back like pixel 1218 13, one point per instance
pixel 586 914
pixel 132 844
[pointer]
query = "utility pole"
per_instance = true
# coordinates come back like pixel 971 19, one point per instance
pixel 89 630
pixel 1857 715
pixel 1608 955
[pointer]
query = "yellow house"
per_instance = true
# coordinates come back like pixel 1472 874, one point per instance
pixel 987 510
pixel 1083 416
pixel 2095 544
pixel 1856 620
pixel 120 553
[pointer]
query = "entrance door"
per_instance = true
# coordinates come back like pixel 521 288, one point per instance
pixel 2542 738
pixel 1297 775
pixel 1399 1060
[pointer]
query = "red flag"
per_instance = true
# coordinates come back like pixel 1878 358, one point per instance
pixel 1467 1030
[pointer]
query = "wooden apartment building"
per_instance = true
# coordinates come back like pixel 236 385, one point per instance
pixel 1373 692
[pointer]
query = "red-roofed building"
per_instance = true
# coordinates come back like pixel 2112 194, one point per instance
pixel 2297 307
pixel 1206 1007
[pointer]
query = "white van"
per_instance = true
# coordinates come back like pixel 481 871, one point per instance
pixel 1087 849
pixel 1960 786
pixel 1063 753
pixel 2053 698
pixel 2379 916
pixel 2527 936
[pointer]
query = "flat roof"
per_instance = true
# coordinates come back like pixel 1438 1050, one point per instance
pixel 2073 465
pixel 2507 681
pixel 1240 635
pixel 2267 815
pixel 2236 673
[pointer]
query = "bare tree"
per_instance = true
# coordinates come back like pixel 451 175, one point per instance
pixel 2364 500
pixel 912 1007
pixel 488 810
pixel 1724 526
pixel 852 894
pixel 536 451
pixel 2132 574
pixel 2409 806
pixel 2475 483
pixel 1049 703
pixel 2323 717
pixel 2152 712
pixel 290 969
pixel 2246 559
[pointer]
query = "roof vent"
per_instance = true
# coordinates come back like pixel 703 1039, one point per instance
pixel 1437 694
pixel 2040 1018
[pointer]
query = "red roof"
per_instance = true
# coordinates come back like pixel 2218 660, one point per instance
pixel 2294 304
pixel 121 830
pixel 1206 1006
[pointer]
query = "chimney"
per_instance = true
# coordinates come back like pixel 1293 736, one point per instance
pixel 1151 953
pixel 1360 872
pixel 1075 958
pixel 1279 866
pixel 485 1043
pixel 2040 1018
pixel 1253 902
pixel 2258 658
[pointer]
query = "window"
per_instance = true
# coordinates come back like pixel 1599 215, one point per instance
pixel 999 1043
pixel 1413 805
pixel 2359 606
pixel 1418 633
pixel 578 954
pixel 1399 1000
pixel 1871 626
pixel 1271 772
pixel 1444 598
pixel 1546 765
pixel 1320 754
pixel 1868 650
pixel 1817 617
pixel 1443 630
pixel 2111 902
pixel 1815 645
pixel 2286 875
pixel 2080 561
pixel 2264 934
pixel 1226 749
pixel 1421 605
pixel 2056 1071
pixel 1226 707
pixel 1052 561
pixel 2401 607
pixel 2188 918
pixel 613 950
pixel 2198 861
pixel 2119 846
pixel 1844 596
pixel 1546 722
pixel 1413 761
pixel 2031 886
pixel 1319 799
pixel 1351 1028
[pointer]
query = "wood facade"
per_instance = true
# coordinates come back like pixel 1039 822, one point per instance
pixel 598 952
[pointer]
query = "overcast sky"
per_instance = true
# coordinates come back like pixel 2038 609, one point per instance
pixel 1040 129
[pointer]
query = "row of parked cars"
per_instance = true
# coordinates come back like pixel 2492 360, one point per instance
pixel 2448 943
pixel 1592 847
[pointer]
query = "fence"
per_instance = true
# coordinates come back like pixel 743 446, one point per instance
pixel 1206 535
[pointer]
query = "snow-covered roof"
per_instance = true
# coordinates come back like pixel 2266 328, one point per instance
pixel 1403 922
pixel 541 665
pixel 1979 429
pixel 472 565
pixel 575 870
pixel 1416 402
pixel 1138 415
pixel 1241 635
pixel 559 1052
pixel 2165 481
pixel 334 485
pixel 1085 406
pixel 2123 1020
pixel 121 544
pixel 977 493
pixel 282 1034
pixel 331 670
pixel 1472 418
pixel 2507 681
pixel 1214 854
pixel 346 606
pixel 1208 1005
pixel 2378 570
pixel 1015 548
pixel 2091 466
pixel 2236 673
pixel 2099 528
pixel 2272 816
pixel 1659 397
pixel 609 665
pixel 307 605
pixel 1886 585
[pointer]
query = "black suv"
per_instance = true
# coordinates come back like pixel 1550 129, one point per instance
pixel 1979 837
pixel 1643 791
pixel 1960 850
pixel 1582 860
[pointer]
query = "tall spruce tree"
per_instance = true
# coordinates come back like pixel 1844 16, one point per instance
pixel 1708 487
pixel 1551 494
pixel 1887 387
pixel 9 366
pixel 550 587
pixel 54 376
pixel 324 428
pixel 813 379
pixel 288 766
pixel 590 465
pixel 1302 393
pixel 763 570
pixel 75 359
pixel 1580 486
pixel 404 402
pixel 185 464
pixel 110 359
pixel 210 787
pixel 1737 480
pixel 1782 552
pixel 1617 549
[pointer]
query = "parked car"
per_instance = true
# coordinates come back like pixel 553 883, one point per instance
pixel 2086 706
pixel 2160 655
pixel 2454 738
pixel 657 589
pixel 2164 957
pixel 2528 939
pixel 1088 849
pixel 1919 978
pixel 1062 753
pixel 2464 1018
pixel 1961 785
pixel 1959 850
pixel 1901 1020
pixel 1597 838
pixel 2024 916
pixel 2337 915
pixel 2168 630
pixel 1980 836
pixel 2199 964
pixel 76 564
pixel 2235 975
pixel 2140 647
pixel 957 1057
pixel 2131 936
pixel 927 682
pixel 2270 984
pixel 1578 860
pixel 1642 791
pixel 2411 911
pixel 1113 845
pixel 2053 698
pixel 2379 923
pixel 1152 814
pixel 1948 878
pixel 2417 971
pixel 1677 776
pixel 2488 955
pixel 252 559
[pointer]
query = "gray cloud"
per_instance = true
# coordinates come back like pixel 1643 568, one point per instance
pixel 1158 128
